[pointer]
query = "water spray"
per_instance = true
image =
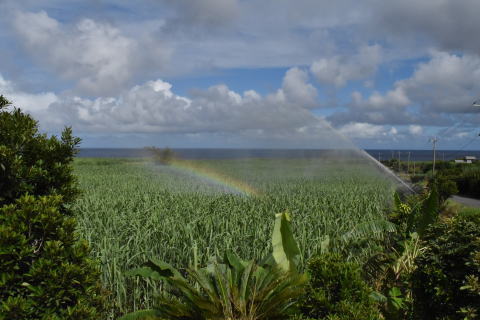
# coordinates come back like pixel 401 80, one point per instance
pixel 386 170
pixel 377 163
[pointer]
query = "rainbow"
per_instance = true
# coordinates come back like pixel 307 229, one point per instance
pixel 213 176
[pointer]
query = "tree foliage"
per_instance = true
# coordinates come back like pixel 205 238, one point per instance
pixel 45 271
pixel 445 283
pixel 162 156
pixel 336 290
pixel 31 162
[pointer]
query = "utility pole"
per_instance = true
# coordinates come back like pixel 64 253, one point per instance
pixel 434 141
pixel 398 161
pixel 408 163
pixel 413 166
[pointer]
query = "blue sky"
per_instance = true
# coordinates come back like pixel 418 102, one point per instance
pixel 244 73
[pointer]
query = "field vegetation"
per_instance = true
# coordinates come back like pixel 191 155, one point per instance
pixel 132 210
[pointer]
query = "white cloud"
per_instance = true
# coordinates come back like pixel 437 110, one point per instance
pixel 362 130
pixel 274 120
pixel 446 83
pixel 439 89
pixel 153 107
pixel 96 56
pixel 338 70
pixel 388 108
pixel 395 98
pixel 297 88
pixel 415 130
pixel 30 102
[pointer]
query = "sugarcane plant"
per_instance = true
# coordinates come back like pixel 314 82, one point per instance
pixel 229 287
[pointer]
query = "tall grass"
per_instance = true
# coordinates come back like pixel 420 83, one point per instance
pixel 131 210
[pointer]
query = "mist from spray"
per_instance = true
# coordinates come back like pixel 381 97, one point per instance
pixel 266 159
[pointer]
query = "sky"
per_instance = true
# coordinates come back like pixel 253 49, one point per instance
pixel 246 74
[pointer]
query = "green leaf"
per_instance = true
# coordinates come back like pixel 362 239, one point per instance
pixel 378 297
pixel 397 201
pixel 155 270
pixel 285 249
pixel 430 209
pixel 234 261
pixel 394 292
pixel 325 244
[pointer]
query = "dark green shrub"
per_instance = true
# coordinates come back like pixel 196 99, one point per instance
pixel 336 290
pixel 446 187
pixel 31 162
pixel 162 156
pixel 445 270
pixel 45 272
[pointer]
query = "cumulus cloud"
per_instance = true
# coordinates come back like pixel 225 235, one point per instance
pixel 297 88
pixel 363 130
pixel 276 119
pixel 388 108
pixel 153 107
pixel 444 86
pixel 338 70
pixel 96 56
pixel 446 83
pixel 34 103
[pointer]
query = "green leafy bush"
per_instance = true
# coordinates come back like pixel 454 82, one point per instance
pixel 336 290
pixel 45 272
pixel 31 162
pixel 444 281
pixel 446 187
pixel 416 213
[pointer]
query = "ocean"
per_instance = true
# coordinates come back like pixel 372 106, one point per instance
pixel 404 155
